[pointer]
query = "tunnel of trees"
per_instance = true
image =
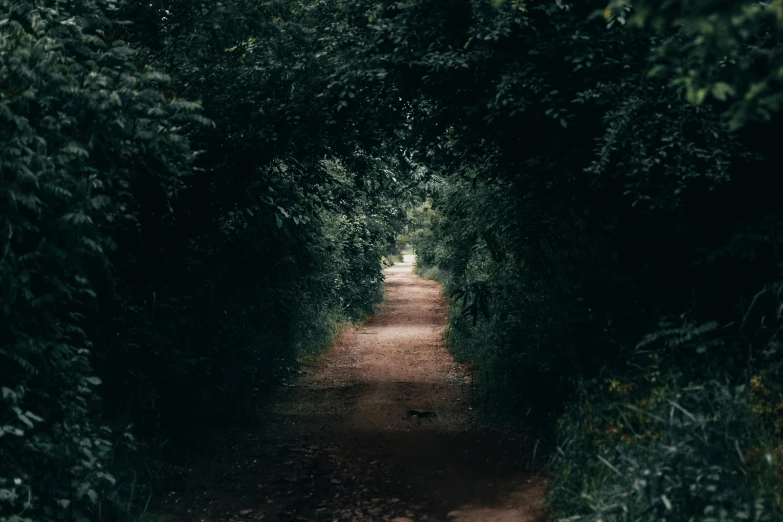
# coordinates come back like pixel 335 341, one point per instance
pixel 197 194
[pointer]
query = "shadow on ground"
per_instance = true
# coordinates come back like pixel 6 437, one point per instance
pixel 377 429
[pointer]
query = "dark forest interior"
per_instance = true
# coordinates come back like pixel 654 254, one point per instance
pixel 199 198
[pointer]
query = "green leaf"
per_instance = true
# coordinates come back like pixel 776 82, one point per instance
pixel 24 419
pixel 722 90
pixel 108 477
pixel 13 430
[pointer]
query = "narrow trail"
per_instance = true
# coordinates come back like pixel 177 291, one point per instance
pixel 379 428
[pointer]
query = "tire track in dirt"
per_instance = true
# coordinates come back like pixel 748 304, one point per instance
pixel 379 428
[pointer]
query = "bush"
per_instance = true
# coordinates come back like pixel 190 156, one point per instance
pixel 668 440
pixel 82 128
pixel 679 458
pixel 143 288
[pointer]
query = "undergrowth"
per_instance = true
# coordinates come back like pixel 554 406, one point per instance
pixel 664 441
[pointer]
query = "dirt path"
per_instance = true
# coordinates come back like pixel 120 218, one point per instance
pixel 378 429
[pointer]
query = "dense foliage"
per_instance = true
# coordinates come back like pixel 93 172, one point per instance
pixel 83 128
pixel 194 199
pixel 184 283
pixel 612 252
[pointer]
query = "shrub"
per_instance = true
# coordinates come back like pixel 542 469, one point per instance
pixel 663 440
pixel 81 128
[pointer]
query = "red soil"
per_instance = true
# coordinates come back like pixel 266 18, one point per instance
pixel 379 428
